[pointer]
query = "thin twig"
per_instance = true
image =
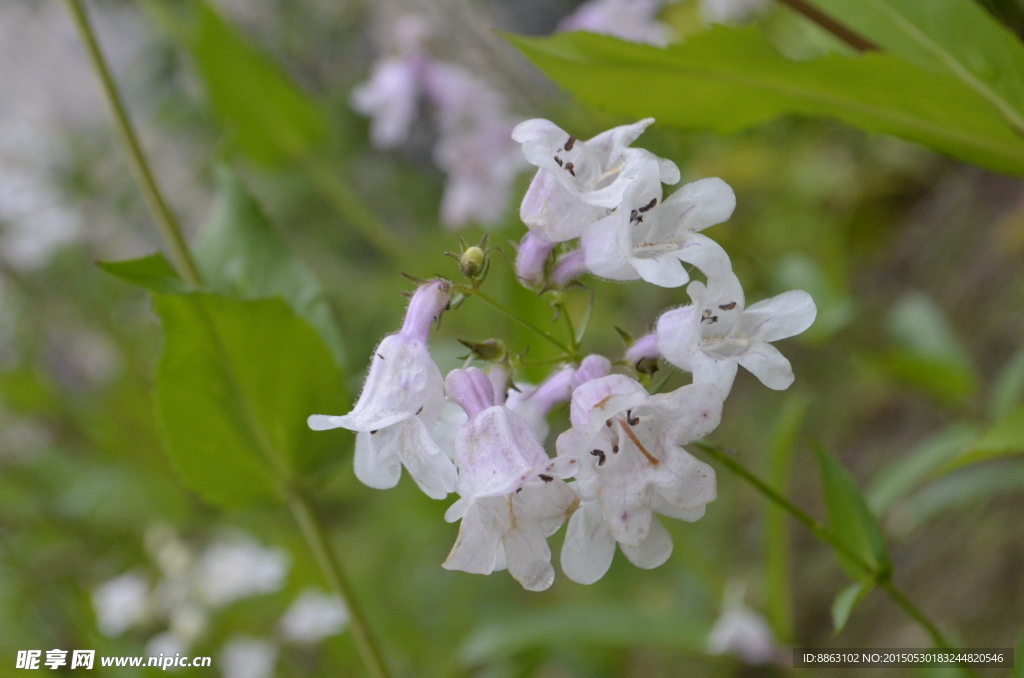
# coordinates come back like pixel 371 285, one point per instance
pixel 162 215
pixel 313 533
pixel 819 531
pixel 522 321
pixel 851 38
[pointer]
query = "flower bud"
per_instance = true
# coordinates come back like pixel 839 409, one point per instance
pixel 472 261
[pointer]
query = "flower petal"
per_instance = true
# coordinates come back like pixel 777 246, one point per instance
pixel 678 333
pixel 476 547
pixel 323 422
pixel 603 255
pixel 664 508
pixel 705 254
pixel 551 209
pixel 663 271
pixel 589 548
pixel 684 481
pixel 701 204
pixel 785 315
pixel 652 551
pixel 690 413
pixel 597 400
pixel 719 372
pixel 428 465
pixel 376 461
pixel 766 363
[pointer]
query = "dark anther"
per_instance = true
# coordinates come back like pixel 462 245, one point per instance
pixel 419 410
pixel 546 479
pixel 615 449
pixel 380 356
pixel 519 490
pixel 652 203
pixel 600 456
pixel 630 419
pixel 374 431
pixel 633 215
pixel 569 168
pixel 608 423
pixel 558 160
pixel 712 320
pixel 728 307
pixel 569 144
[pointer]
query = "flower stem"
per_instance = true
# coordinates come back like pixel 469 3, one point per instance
pixel 522 321
pixel 819 531
pixel 313 532
pixel 165 220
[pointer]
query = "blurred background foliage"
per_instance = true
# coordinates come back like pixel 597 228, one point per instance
pixel 913 373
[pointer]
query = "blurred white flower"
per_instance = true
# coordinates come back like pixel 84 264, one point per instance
pixel 314 616
pixel 633 20
pixel 742 632
pixel 168 644
pixel 121 603
pixel 244 657
pixel 238 567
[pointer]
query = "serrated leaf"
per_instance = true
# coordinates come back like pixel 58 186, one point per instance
pixel 267 116
pixel 153 273
pixel 234 386
pixel 846 602
pixel 1004 438
pixel 729 79
pixel 849 519
pixel 955 36
pixel 240 253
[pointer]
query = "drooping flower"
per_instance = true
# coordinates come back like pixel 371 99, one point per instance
pixel 716 334
pixel 649 238
pixel 742 632
pixel 512 495
pixel 633 20
pixel 578 181
pixel 632 465
pixel 400 403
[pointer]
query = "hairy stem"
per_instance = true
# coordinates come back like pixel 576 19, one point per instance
pixel 819 531
pixel 313 533
pixel 525 323
pixel 165 220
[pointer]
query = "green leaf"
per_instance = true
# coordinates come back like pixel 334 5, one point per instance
pixel 958 37
pixel 850 521
pixel 152 273
pixel 1008 389
pixel 1005 438
pixel 729 79
pixel 267 116
pixel 906 473
pixel 777 551
pixel 235 384
pixel 240 253
pixel 846 601
pixel 1018 669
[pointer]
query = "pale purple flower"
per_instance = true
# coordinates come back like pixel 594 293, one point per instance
pixel 391 98
pixel 742 632
pixel 651 239
pixel 400 403
pixel 632 465
pixel 633 20
pixel 512 495
pixel 716 334
pixel 596 172
pixel 532 258
pixel 533 403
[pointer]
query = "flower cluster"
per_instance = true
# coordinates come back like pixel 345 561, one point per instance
pixel 473 147
pixel 594 207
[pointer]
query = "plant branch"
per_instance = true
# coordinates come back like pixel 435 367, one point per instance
pixel 165 220
pixel 525 323
pixel 313 533
pixel 819 531
pixel 851 38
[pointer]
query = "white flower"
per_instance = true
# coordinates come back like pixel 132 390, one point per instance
pixel 596 172
pixel 121 603
pixel 633 20
pixel 741 632
pixel 167 644
pixel 631 465
pixel 244 657
pixel 716 334
pixel 400 402
pixel 533 403
pixel 314 616
pixel 390 97
pixel 238 567
pixel 650 239
pixel 511 496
